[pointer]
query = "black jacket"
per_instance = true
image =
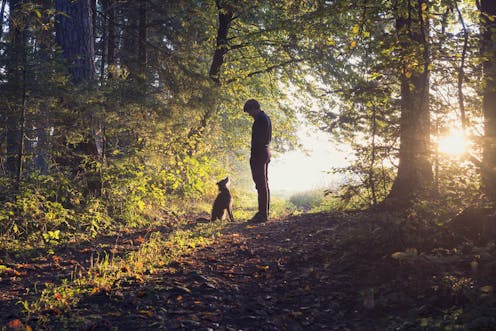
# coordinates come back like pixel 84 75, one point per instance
pixel 261 134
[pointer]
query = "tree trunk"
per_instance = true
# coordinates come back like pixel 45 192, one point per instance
pixel 372 179
pixel 225 19
pixel 488 52
pixel 225 16
pixel 414 175
pixel 93 20
pixel 74 32
pixel 129 51
pixel 104 42
pixel 461 71
pixel 142 41
pixel 16 92
pixel 2 12
pixel 110 12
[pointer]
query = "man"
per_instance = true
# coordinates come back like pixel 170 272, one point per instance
pixel 261 135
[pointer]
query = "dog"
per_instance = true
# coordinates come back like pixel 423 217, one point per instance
pixel 223 202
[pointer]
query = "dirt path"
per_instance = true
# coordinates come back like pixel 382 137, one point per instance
pixel 279 275
pixel 272 276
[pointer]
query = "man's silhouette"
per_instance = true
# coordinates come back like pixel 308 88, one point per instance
pixel 261 135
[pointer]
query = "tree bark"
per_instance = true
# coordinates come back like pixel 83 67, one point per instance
pixel 414 175
pixel 461 71
pixel 129 51
pixel 104 42
pixel 225 16
pixel 225 19
pixel 373 157
pixel 74 33
pixel 16 92
pixel 142 58
pixel 488 53
pixel 93 20
pixel 2 12
pixel 111 33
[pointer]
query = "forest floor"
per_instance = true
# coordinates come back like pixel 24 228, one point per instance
pixel 306 272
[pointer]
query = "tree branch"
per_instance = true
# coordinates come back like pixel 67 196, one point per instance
pixel 265 70
pixel 461 73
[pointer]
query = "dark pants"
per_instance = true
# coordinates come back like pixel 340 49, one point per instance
pixel 259 165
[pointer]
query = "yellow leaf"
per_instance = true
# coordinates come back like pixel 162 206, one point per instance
pixel 356 28
pixel 114 314
pixel 399 255
pixel 146 313
pixel 486 289
pixel 353 44
pixel 296 313
pixel 411 251
pixel 408 74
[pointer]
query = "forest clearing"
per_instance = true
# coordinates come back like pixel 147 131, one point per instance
pixel 130 128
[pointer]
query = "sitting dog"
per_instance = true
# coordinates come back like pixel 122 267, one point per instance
pixel 223 202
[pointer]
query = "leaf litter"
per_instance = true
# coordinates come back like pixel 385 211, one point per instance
pixel 309 272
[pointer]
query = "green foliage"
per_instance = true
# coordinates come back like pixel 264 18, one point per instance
pixel 52 237
pixel 126 148
pixel 305 201
pixel 94 218
pixel 38 208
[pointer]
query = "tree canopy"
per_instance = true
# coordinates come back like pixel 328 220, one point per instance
pixel 118 101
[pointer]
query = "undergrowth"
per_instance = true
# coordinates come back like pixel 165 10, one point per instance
pixel 417 275
pixel 106 273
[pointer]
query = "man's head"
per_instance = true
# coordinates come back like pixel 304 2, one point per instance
pixel 252 107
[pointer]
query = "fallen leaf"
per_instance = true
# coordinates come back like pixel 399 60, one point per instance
pixel 146 313
pixel 114 314
pixel 182 288
pixel 15 324
pixel 296 313
pixel 486 289
pixel 119 294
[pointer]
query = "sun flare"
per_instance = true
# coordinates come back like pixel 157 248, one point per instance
pixel 455 143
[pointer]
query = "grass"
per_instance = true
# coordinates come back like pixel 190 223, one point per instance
pixel 106 273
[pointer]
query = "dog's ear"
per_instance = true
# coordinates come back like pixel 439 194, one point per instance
pixel 224 181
